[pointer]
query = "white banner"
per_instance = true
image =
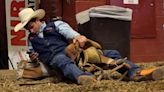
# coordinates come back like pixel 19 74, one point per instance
pixel 17 41
pixel 131 2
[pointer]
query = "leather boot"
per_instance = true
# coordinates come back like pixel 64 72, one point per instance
pixel 86 79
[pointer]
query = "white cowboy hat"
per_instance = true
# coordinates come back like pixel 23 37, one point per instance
pixel 26 15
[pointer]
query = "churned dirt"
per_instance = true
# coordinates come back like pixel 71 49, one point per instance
pixel 9 83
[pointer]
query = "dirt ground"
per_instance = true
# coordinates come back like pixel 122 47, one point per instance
pixel 9 83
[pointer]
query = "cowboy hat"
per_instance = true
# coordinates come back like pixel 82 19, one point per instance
pixel 26 15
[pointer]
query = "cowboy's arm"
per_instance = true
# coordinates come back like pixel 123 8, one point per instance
pixel 30 48
pixel 69 33
pixel 32 54
pixel 65 30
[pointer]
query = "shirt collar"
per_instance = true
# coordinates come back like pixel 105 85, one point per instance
pixel 42 26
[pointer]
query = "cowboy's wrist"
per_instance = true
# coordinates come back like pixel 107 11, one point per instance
pixel 77 36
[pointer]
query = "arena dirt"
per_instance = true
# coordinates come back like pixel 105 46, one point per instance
pixel 9 83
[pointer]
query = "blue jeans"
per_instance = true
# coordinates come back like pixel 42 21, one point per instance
pixel 116 55
pixel 66 65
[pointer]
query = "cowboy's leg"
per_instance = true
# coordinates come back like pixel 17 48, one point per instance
pixel 116 55
pixel 68 68
pixel 136 73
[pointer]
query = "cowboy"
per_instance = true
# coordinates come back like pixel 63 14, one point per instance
pixel 47 41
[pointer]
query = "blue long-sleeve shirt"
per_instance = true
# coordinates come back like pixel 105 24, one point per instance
pixel 64 29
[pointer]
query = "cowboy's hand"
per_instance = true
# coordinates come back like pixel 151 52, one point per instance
pixel 33 56
pixel 81 40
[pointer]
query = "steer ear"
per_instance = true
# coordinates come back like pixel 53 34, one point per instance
pixel 22 64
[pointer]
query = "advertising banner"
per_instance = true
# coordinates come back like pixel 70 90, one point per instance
pixel 17 41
